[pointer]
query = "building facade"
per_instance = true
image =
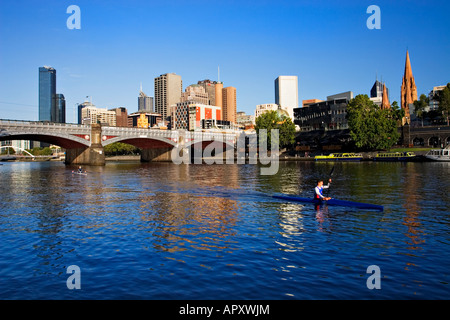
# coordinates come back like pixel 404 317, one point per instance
pixel 210 89
pixel 47 92
pixel 168 90
pixel 92 115
pixel 144 120
pixel 195 93
pixel 229 104
pixel 121 116
pixel 191 115
pixel 59 111
pixel 145 103
pixel 286 93
pixel 262 108
pixel 326 115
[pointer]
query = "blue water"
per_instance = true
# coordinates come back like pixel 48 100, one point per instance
pixel 166 231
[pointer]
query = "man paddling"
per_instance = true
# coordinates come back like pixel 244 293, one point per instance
pixel 318 190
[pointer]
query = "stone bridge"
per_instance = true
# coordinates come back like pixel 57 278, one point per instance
pixel 431 136
pixel 84 144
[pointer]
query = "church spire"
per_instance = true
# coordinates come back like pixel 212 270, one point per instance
pixel 385 104
pixel 408 90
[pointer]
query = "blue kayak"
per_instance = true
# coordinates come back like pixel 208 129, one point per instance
pixel 331 202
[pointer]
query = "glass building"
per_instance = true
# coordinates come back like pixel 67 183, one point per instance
pixel 47 92
pixel 59 114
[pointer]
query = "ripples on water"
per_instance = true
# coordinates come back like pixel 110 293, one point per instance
pixel 163 231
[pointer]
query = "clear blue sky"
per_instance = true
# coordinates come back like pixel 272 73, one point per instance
pixel 124 43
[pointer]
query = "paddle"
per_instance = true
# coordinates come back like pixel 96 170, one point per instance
pixel 331 174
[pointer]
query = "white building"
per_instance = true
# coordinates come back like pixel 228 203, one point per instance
pixel 286 93
pixel 262 108
pixel 91 115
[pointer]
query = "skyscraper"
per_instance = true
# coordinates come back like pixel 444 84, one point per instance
pixel 286 93
pixel 47 92
pixel 229 104
pixel 168 89
pixel 145 103
pixel 408 90
pixel 59 112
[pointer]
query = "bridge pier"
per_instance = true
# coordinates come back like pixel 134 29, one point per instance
pixel 156 154
pixel 93 155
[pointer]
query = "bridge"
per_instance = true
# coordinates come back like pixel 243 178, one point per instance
pixel 84 143
pixel 428 136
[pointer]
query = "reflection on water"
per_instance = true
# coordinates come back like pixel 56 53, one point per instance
pixel 165 231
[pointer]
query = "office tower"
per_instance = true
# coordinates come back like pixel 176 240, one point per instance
pixel 286 93
pixel 229 104
pixel 210 89
pixel 47 91
pixel 377 90
pixel 59 112
pixel 145 103
pixel 168 89
pixel 408 91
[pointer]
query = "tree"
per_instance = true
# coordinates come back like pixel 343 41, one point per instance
pixel 372 128
pixel 420 106
pixel 443 98
pixel 271 120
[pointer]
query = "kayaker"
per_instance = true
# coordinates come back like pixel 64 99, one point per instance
pixel 318 190
pixel 80 170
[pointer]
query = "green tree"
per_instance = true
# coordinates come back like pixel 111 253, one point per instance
pixel 372 128
pixel 420 105
pixel 271 120
pixel 120 148
pixel 443 98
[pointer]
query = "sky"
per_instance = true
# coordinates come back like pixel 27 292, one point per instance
pixel 123 44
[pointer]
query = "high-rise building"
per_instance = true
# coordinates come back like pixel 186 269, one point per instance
pixel 229 104
pixel 286 93
pixel 408 91
pixel 59 111
pixel 168 89
pixel 145 103
pixel 47 91
pixel 210 89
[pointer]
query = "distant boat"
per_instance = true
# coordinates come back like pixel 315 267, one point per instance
pixel 395 156
pixel 340 157
pixel 439 154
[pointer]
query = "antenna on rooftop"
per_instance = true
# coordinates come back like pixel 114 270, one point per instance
pixel 218 73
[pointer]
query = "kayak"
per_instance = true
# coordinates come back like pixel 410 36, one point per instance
pixel 82 173
pixel 332 202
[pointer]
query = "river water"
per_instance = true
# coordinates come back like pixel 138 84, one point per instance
pixel 167 231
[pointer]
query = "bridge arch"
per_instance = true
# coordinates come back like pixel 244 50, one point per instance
pixel 65 141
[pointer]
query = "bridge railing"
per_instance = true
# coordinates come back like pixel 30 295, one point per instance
pixel 40 123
